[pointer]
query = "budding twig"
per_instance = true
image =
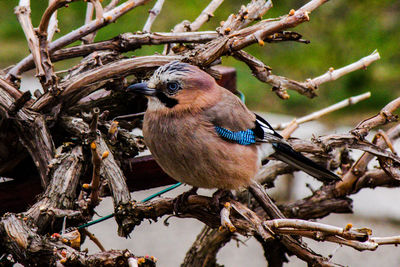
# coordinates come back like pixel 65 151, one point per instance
pixel 96 162
pixel 296 224
pixel 318 114
pixel 332 74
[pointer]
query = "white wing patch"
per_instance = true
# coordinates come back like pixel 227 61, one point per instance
pixel 266 128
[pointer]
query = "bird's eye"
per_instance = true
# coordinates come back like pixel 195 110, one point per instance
pixel 172 86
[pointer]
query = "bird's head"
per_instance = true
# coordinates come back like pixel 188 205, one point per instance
pixel 177 87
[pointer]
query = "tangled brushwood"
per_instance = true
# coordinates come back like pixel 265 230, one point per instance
pixel 81 153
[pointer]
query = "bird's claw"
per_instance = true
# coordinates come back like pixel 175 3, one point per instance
pixel 180 201
pixel 218 198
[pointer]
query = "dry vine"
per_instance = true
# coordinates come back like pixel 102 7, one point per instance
pixel 77 109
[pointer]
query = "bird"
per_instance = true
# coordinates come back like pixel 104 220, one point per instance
pixel 203 135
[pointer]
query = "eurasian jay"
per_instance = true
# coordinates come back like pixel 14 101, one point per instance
pixel 203 135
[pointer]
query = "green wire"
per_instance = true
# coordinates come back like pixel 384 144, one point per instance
pixel 96 221
pixel 144 200
pixel 161 192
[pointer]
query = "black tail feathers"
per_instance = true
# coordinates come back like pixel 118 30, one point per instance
pixel 285 153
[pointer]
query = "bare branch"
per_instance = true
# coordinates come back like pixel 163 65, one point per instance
pixel 185 26
pixel 72 92
pixel 204 250
pixel 332 74
pixel 61 192
pixel 34 249
pixel 95 183
pixel 312 5
pixel 247 14
pixel 94 239
pixel 153 13
pixel 89 12
pixel 71 37
pixel 296 224
pixel 54 5
pixel 296 246
pixel 318 114
pixel 110 171
pixel 205 15
pixel 53 24
pixel 91 6
pixel 359 168
pixel 11 91
pixel 280 84
pixel 111 5
pixel 390 240
pixel 383 117
pixel 23 12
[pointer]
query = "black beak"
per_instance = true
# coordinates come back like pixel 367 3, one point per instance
pixel 141 88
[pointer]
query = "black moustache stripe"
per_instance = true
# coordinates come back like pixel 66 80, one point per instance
pixel 167 101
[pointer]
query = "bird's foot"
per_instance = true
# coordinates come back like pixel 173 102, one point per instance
pixel 220 197
pixel 180 201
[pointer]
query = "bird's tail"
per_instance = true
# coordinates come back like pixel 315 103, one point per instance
pixel 285 153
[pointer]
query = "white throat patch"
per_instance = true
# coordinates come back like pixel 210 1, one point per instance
pixel 154 104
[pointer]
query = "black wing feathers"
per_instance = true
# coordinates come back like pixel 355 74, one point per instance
pixel 263 127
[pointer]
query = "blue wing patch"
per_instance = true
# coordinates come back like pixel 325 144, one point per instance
pixel 241 137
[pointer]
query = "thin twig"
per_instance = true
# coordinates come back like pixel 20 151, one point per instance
pixel 95 183
pixel 111 5
pixel 308 88
pixel 205 15
pixel 91 6
pixel 296 224
pixel 153 13
pixel 332 74
pixel 319 236
pixel 383 117
pixel 93 238
pixel 54 5
pixel 88 18
pixel 247 14
pixel 390 240
pixel 318 114
pixel 186 26
pixel 53 24
pixel 312 5
pixel 23 12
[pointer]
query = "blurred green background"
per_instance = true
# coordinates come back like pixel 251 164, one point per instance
pixel 340 32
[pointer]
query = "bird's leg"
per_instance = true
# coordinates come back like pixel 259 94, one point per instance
pixel 180 201
pixel 219 196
